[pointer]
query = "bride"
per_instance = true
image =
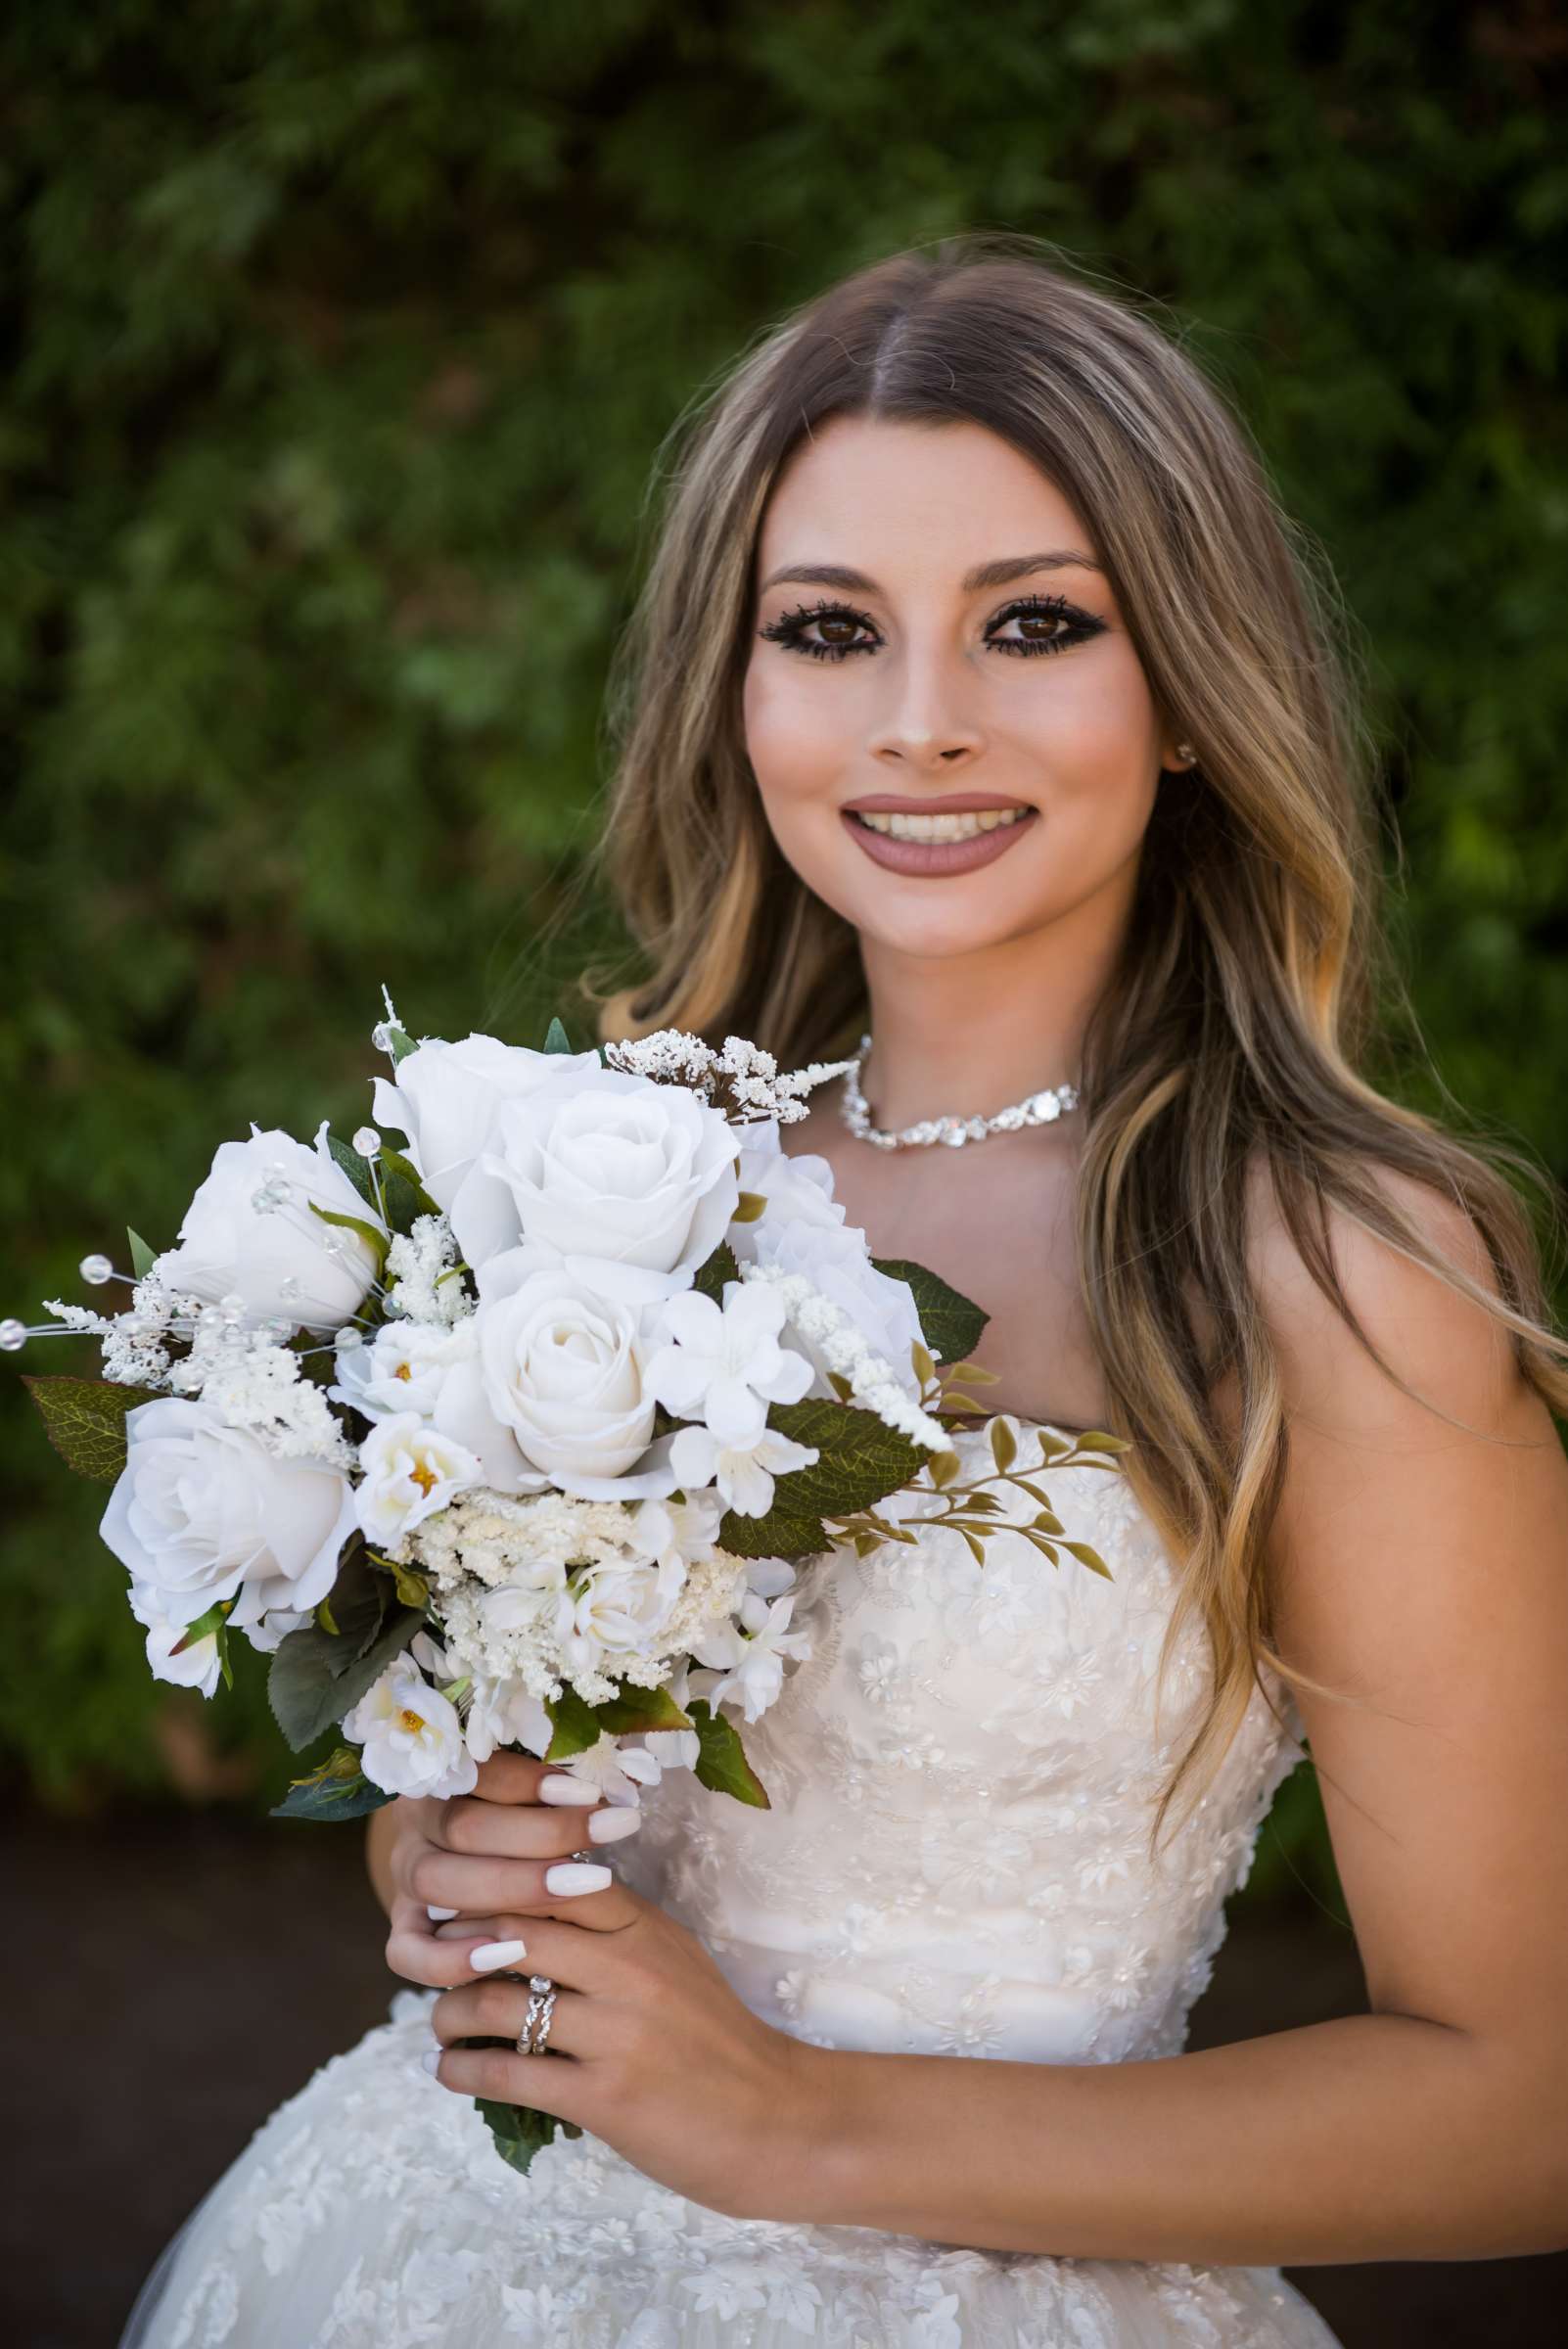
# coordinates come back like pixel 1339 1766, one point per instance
pixel 982 706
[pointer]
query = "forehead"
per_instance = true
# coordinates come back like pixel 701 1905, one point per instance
pixel 941 497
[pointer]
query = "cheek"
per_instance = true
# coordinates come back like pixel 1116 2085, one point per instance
pixel 798 741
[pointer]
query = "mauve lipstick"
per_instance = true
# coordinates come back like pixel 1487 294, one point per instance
pixel 936 857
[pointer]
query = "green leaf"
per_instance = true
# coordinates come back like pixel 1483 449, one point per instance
pixel 860 1459
pixel 394 1162
pixel 309 1687
pixel 711 1275
pixel 337 1788
pixel 950 1322
pixel 86 1420
pixel 556 1038
pixel 143 1258
pixel 374 1238
pixel 1090 1557
pixel 750 1206
pixel 212 1620
pixel 780 1535
pixel 356 1168
pixel 412 1588
pixel 637 1709
pixel 721 1762
pixel 1004 1444
pixel 519 2131
pixel 575 1724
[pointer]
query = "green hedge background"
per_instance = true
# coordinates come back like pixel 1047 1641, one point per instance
pixel 340 340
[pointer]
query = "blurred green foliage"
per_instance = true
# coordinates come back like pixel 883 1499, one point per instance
pixel 341 339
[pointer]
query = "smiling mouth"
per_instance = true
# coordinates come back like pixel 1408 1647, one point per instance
pixel 966 826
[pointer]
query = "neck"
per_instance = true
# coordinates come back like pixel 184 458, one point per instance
pixel 965 1036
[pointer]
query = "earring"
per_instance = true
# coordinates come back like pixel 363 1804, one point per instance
pixel 1184 750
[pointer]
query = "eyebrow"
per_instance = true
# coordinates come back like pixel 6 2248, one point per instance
pixel 1000 574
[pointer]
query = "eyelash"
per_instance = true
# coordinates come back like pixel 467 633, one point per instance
pixel 787 629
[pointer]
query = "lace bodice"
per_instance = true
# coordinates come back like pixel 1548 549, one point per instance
pixel 955 1861
pixel 962 1775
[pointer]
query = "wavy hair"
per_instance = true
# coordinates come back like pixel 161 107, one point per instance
pixel 1236 1027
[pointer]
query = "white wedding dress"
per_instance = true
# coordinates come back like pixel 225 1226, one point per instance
pixel 954 1864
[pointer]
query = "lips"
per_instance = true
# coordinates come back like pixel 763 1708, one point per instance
pixel 937 858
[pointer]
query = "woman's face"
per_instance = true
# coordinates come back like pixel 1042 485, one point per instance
pixel 902 686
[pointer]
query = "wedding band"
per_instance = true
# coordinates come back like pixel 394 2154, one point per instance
pixel 541 2009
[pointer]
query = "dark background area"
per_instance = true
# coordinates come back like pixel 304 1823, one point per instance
pixel 339 344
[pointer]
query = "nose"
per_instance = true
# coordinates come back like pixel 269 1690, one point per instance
pixel 924 725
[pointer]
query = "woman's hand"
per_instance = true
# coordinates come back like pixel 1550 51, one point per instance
pixel 476 1857
pixel 650 2049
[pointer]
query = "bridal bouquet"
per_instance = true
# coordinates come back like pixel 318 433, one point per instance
pixel 517 1434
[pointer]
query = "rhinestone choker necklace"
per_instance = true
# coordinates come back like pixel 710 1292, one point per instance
pixel 1039 1109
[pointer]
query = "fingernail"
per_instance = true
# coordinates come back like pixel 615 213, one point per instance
pixel 608 1826
pixel 431 2060
pixel 438 1916
pixel 576 1875
pixel 490 1956
pixel 562 1787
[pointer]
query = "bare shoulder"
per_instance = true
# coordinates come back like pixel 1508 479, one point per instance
pixel 1443 1352
pixel 1418 1562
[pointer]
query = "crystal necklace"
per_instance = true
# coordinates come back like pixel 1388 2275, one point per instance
pixel 1038 1109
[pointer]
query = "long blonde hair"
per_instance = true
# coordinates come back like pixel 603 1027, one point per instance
pixel 1254 969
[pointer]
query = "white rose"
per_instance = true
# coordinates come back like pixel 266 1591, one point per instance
pixel 600 1163
pixel 556 1391
pixel 410 1471
pixel 444 1098
pixel 198 1668
pixel 403 1368
pixel 200 1512
pixel 285 1261
pixel 616 1609
pixel 799 1190
pixel 412 1736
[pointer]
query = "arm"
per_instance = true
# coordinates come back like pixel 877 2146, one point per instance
pixel 1426 1568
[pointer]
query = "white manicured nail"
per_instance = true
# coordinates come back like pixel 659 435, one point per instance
pixel 438 1916
pixel 608 1826
pixel 431 2059
pixel 576 1876
pixel 562 1787
pixel 490 1956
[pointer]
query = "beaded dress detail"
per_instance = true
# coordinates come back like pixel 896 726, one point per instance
pixel 961 1775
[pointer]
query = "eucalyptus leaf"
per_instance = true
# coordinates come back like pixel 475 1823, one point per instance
pixel 556 1038
pixel 1089 1557
pixel 142 1257
pixel 84 1420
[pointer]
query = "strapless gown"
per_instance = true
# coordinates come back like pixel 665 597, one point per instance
pixel 954 1864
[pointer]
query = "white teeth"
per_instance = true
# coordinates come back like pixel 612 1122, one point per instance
pixel 941 827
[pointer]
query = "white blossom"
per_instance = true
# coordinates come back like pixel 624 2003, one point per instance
pixel 724 1363
pixel 411 1736
pixel 410 1471
pixel 743 1472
